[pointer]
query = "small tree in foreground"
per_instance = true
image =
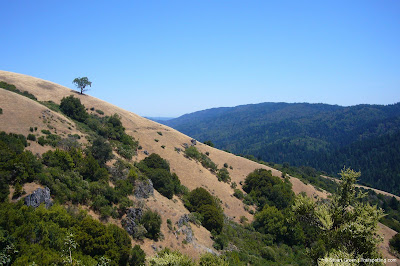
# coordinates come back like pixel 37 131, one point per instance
pixel 81 83
pixel 346 225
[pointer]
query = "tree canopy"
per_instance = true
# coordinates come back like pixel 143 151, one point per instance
pixel 82 83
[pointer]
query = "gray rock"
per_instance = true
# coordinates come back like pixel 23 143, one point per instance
pixel 129 225
pixel 185 145
pixel 134 213
pixel 146 152
pixel 143 189
pixel 187 230
pixel 130 221
pixel 183 220
pixel 39 196
pixel 193 141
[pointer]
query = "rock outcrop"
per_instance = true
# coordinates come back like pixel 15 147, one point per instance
pixel 39 196
pixel 143 189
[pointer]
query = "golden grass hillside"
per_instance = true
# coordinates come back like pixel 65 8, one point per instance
pixel 21 113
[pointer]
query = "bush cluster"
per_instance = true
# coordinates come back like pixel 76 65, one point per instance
pixel 202 202
pixel 10 87
pixel 158 170
pixel 205 161
pixel 264 188
pixel 53 233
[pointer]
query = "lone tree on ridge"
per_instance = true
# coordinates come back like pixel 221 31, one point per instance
pixel 81 83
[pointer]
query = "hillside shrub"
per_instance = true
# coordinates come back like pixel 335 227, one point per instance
pixel 137 256
pixel 100 112
pixel 31 137
pixel 53 232
pixel 152 222
pixel 158 170
pixel 202 202
pixel 223 175
pixel 238 193
pixel 11 87
pixel 395 242
pixel 206 162
pixel 264 188
pixel 73 108
pixel 1 111
pixel 101 150
pixel 209 143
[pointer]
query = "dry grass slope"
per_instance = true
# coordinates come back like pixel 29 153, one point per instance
pixel 20 113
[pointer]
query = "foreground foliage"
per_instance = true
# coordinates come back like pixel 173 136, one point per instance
pixel 47 236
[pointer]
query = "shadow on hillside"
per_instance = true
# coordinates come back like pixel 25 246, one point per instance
pixel 45 85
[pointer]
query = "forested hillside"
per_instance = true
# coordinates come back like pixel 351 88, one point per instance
pixel 327 137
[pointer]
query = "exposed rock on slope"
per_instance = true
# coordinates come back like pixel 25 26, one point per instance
pixel 39 196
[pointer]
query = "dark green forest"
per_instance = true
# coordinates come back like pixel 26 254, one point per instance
pixel 325 137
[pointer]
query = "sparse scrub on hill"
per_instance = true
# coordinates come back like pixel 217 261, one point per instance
pixel 223 175
pixel 209 143
pixel 100 112
pixel 51 105
pixel 1 111
pixel 31 137
pixel 10 87
pixel 205 161
pixel 50 139
pixel 70 174
pixel 238 193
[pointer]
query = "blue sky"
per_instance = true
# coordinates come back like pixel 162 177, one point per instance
pixel 168 58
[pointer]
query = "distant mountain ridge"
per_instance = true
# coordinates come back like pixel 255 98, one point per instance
pixel 327 137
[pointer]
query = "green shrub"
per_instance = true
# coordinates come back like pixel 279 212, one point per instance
pixel 42 140
pixel 73 108
pixel 155 161
pixel 137 256
pixel 31 129
pixel 238 193
pixel 100 112
pixel 1 111
pixel 45 131
pixel 152 222
pixel 209 143
pixel 395 242
pixel 223 175
pixel 208 259
pixel 12 88
pixel 159 133
pixel 193 153
pixel 264 188
pixel 31 137
pixel 213 218
pixel 101 150
pixel 51 105
pixel 201 201
pixel 197 198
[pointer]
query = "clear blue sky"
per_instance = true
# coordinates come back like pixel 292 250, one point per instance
pixel 167 58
